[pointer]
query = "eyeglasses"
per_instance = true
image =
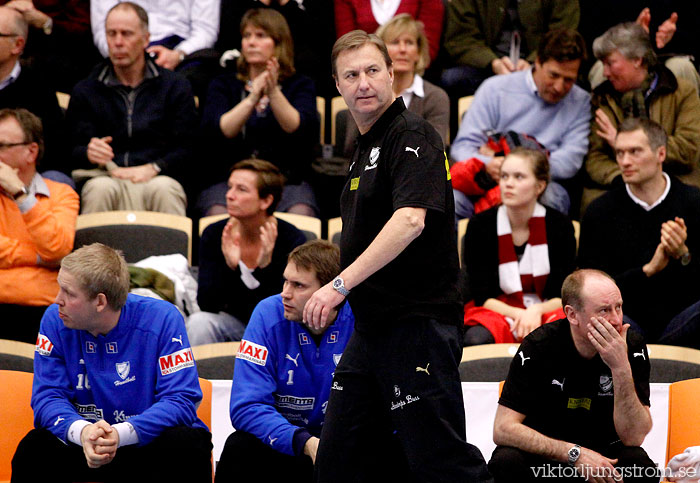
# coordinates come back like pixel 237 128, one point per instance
pixel 4 146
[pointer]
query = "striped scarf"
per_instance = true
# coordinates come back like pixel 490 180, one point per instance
pixel 533 267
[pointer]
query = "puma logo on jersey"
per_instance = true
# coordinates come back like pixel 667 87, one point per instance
pixel 414 151
pixel 420 369
pixel 560 384
pixel 640 354
pixel 293 359
pixel 522 356
pixel 175 339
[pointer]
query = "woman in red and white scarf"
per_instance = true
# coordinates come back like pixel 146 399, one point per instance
pixel 517 256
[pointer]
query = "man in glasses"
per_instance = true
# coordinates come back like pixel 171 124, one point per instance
pixel 37 227
pixel 23 86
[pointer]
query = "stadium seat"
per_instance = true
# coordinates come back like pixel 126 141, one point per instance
pixel 63 100
pixel 463 105
pixel 335 226
pixel 216 361
pixel 205 221
pixel 310 225
pixel 204 409
pixel 16 416
pixel 337 105
pixel 138 234
pixel 321 108
pixel 672 363
pixel 487 362
pixel 16 356
pixel 683 417
pixel 461 231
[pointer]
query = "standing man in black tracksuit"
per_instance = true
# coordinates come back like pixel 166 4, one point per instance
pixel 133 120
pixel 395 412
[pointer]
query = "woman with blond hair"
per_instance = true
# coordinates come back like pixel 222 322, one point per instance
pixel 265 110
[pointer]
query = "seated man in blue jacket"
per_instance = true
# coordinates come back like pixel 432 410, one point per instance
pixel 283 376
pixel 115 385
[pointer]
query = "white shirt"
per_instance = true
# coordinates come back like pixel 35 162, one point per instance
pixel 414 89
pixel 644 204
pixel 196 21
pixel 12 77
pixel 384 10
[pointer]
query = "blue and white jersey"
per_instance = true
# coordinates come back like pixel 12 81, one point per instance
pixel 282 379
pixel 142 372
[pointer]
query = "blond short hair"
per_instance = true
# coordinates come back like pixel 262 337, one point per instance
pixel 100 269
pixel 401 24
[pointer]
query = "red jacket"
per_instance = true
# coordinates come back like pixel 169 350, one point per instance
pixel 357 14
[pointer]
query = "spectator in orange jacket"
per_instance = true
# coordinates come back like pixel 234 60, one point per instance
pixel 37 227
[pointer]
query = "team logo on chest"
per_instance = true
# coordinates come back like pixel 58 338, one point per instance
pixel 373 158
pixel 123 369
pixel 606 385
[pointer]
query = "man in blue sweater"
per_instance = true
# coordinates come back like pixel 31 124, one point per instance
pixel 542 102
pixel 283 376
pixel 115 385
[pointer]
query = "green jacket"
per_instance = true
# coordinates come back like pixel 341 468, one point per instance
pixel 675 105
pixel 474 26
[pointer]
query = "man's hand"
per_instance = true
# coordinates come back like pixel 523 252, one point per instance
pixel 34 17
pixel 658 262
pixel 135 174
pixel 502 66
pixel 611 345
pixel 9 179
pixel 673 236
pixel 505 66
pixel 493 168
pixel 320 305
pixel 100 442
pixel 268 236
pixel 595 467
pixel 165 57
pixel 231 243
pixel 99 151
pixel 665 32
pixel 606 129
pixel 644 18
pixel 311 447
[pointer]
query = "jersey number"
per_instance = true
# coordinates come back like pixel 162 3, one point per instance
pixel 82 378
pixel 290 380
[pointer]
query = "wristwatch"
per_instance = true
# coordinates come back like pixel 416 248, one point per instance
pixel 20 193
pixel 685 259
pixel 339 286
pixel 574 453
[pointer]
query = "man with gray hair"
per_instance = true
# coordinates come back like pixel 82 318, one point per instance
pixel 646 234
pixel 115 384
pixel 134 121
pixel 639 86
